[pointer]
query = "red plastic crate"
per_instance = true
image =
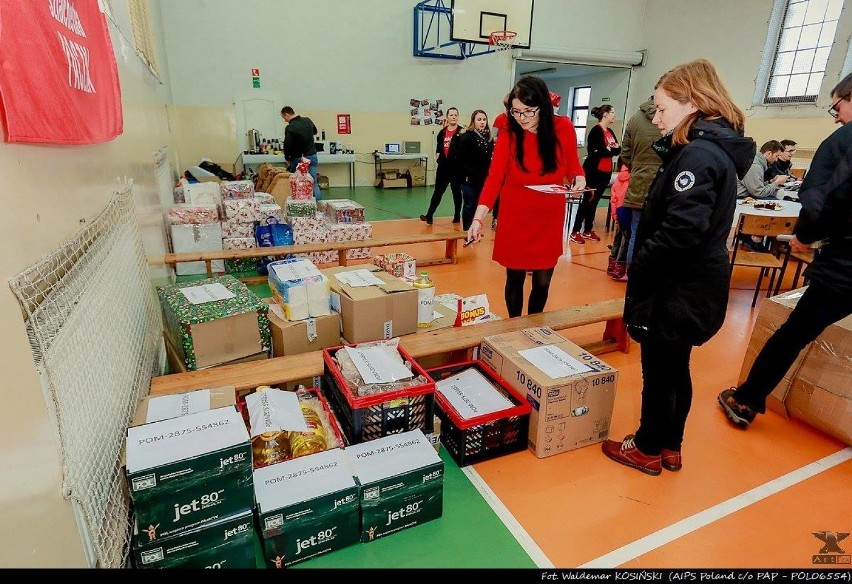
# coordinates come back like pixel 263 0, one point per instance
pixel 365 418
pixel 487 436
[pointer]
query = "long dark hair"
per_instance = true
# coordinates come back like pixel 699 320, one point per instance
pixel 533 92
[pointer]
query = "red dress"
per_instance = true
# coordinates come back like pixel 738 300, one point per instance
pixel 530 232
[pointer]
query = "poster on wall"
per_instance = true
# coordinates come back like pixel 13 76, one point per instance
pixel 58 77
pixel 426 112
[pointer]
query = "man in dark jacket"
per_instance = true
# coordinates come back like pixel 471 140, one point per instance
pixel 826 197
pixel 784 164
pixel 299 143
pixel 643 162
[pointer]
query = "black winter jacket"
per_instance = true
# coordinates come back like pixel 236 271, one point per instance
pixel 474 155
pixel 826 197
pixel 678 281
pixel 299 138
pixel 451 161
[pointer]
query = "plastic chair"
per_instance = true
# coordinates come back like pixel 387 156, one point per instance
pixel 765 227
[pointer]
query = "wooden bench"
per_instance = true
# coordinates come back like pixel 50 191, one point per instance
pixel 451 239
pixel 456 344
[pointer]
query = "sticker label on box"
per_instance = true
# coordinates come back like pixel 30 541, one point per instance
pixel 273 410
pixel 554 362
pixel 471 394
pixel 179 404
pixel 297 270
pixel 358 278
pixel 207 293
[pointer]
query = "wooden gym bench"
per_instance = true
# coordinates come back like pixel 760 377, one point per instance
pixel 451 238
pixel 455 344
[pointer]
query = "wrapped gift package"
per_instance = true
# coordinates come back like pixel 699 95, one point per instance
pixel 310 229
pixel 214 321
pixel 302 183
pixel 271 213
pixel 232 228
pixel 481 415
pixel 300 288
pixel 242 265
pixel 343 211
pixel 202 193
pixel 263 198
pixel 191 238
pixel 238 243
pixel 400 265
pixel 342 232
pixel 237 189
pixel 188 214
pixel 242 210
pixel 294 207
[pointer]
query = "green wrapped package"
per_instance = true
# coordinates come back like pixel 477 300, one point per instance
pixel 241 266
pixel 300 207
pixel 213 321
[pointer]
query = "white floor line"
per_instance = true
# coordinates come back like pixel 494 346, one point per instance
pixel 508 519
pixel 668 534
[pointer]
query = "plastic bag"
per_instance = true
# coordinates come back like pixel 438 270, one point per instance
pixel 302 183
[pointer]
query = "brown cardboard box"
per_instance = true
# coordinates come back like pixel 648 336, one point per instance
pixel 821 391
pixel 394 183
pixel 291 337
pixel 568 411
pixel 417 175
pixel 176 364
pixel 446 319
pixel 373 312
pixel 773 313
pixel 220 397
pixel 322 181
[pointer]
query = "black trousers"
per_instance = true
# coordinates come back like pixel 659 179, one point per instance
pixel 818 307
pixel 666 395
pixel 585 219
pixel 445 177
pixel 470 200
pixel 514 291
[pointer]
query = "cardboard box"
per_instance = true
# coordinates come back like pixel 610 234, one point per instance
pixel 417 175
pixel 572 398
pixel 154 408
pixel 821 390
pixel 322 181
pixel 373 312
pixel 402 483
pixel 394 183
pixel 301 336
pixel 176 364
pixel 227 543
pixel 223 322
pixel 306 507
pixel 773 313
pixel 188 472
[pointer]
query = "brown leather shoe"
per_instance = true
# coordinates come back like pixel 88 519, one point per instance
pixel 626 453
pixel 671 460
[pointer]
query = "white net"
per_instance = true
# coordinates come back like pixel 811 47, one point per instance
pixel 501 40
pixel 95 333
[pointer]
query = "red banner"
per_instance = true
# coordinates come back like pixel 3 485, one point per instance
pixel 58 76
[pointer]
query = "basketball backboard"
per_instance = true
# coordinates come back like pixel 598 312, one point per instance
pixel 474 20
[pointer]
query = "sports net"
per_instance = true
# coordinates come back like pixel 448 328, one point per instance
pixel 501 40
pixel 95 334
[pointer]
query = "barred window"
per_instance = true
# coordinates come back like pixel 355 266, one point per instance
pixel 580 112
pixel 143 36
pixel 801 35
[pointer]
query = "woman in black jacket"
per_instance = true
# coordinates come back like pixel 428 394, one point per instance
pixel 678 282
pixel 474 158
pixel 447 173
pixel 602 147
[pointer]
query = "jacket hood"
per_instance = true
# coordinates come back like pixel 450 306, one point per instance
pixel 649 109
pixel 740 149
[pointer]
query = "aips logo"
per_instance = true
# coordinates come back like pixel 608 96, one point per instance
pixel 831 552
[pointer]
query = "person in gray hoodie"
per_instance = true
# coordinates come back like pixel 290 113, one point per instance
pixel 643 162
pixel 753 184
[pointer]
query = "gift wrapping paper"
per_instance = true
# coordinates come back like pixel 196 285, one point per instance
pixel 263 198
pixel 237 189
pixel 198 237
pixel 233 229
pixel 188 214
pixel 242 210
pixel 340 232
pixel 300 207
pixel 241 265
pixel 271 213
pixel 343 211
pixel 238 243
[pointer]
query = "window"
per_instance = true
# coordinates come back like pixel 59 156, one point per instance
pixel 143 36
pixel 580 112
pixel 801 34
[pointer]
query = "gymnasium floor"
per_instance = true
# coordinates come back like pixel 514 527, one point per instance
pixel 744 499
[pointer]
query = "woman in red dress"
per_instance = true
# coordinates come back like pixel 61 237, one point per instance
pixel 538 149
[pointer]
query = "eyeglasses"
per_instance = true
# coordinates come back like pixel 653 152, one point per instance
pixel 833 111
pixel 527 113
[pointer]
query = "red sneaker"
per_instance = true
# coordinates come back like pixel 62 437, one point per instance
pixel 671 459
pixel 626 453
pixel 591 235
pixel 577 238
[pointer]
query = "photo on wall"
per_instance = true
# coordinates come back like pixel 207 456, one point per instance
pixel 426 112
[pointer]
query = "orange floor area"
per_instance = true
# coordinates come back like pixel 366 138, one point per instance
pixel 743 498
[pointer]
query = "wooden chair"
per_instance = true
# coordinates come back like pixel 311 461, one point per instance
pixel 765 227
pixel 799 173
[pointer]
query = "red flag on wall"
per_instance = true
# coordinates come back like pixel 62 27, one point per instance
pixel 58 76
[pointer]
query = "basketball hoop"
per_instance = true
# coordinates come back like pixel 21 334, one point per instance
pixel 501 40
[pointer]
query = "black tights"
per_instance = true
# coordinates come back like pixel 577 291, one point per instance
pixel 515 291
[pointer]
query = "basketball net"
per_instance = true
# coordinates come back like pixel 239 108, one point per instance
pixel 501 43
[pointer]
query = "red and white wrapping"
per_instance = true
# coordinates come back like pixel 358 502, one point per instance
pixel 242 210
pixel 271 213
pixel 237 189
pixel 341 232
pixel 187 214
pixel 238 243
pixel 309 229
pixel 235 229
pixel 302 183
pixel 263 198
pixel 319 257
